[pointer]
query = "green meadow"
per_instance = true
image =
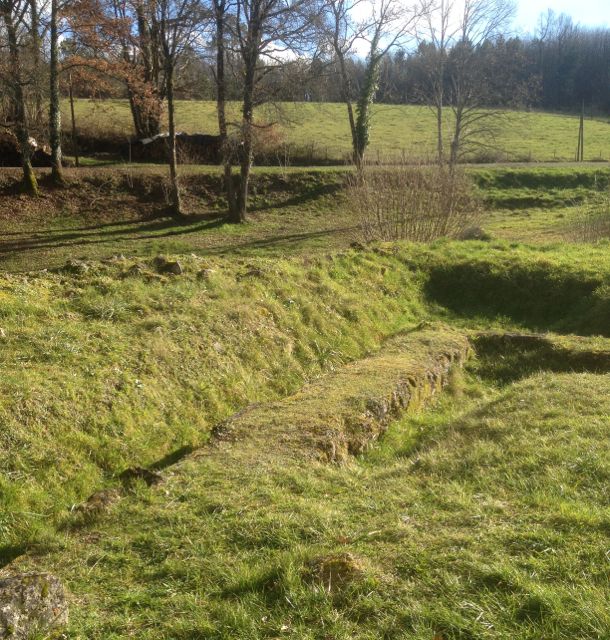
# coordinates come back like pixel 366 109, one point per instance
pixel 321 131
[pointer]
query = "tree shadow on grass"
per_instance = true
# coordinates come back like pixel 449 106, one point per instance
pixel 105 234
pixel 307 196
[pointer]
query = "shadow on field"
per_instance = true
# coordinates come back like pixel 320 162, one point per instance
pixel 106 233
pixel 509 357
pixel 279 241
pixel 539 296
pixel 303 198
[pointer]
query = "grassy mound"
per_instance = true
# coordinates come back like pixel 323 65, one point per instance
pixel 483 518
pixel 564 289
pixel 107 365
pixel 484 521
pixel 358 401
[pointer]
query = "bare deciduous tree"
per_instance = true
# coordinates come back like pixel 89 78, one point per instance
pixel 222 13
pixel 15 19
pixel 453 73
pixel 54 96
pixel 179 22
pixel 267 34
pixel 390 22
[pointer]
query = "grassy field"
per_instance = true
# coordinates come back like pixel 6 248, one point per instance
pixel 321 132
pixel 476 510
pixel 110 211
pixel 484 516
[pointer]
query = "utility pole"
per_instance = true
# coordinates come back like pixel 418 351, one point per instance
pixel 580 152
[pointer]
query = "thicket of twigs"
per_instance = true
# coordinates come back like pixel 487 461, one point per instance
pixel 418 203
pixel 593 225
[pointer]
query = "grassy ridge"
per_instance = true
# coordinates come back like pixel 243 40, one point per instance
pixel 152 361
pixel 322 130
pixel 485 518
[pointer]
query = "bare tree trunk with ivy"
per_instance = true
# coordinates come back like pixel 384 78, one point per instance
pixel 388 24
pixel 365 101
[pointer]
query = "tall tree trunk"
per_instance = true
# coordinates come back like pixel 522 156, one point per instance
pixel 73 118
pixel 176 204
pixel 363 108
pixel 440 103
pixel 30 184
pixel 347 97
pixel 221 108
pixel 55 107
pixel 247 138
pixel 36 52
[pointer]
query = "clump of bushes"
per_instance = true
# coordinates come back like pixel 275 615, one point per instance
pixel 593 225
pixel 417 203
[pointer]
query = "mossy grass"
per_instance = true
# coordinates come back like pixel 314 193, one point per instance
pixel 483 516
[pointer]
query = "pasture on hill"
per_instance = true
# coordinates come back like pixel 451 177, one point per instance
pixel 319 132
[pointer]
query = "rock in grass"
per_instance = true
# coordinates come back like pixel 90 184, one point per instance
pixel 31 605
pixel 151 478
pixel 99 502
pixel 77 267
pixel 172 267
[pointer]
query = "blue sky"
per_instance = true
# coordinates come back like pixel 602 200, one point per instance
pixel 586 12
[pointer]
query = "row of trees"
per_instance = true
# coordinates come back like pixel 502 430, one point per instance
pixel 556 69
pixel 254 50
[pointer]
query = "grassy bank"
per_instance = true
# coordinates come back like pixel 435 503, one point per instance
pixel 153 361
pixel 485 518
pixel 112 211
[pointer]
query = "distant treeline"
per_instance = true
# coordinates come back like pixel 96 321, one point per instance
pixel 557 69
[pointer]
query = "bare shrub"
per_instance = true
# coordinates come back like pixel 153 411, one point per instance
pixel 593 223
pixel 414 203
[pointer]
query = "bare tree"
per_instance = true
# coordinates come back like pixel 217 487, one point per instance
pixel 481 20
pixel 54 96
pixel 390 22
pixel 222 13
pixel 454 60
pixel 267 33
pixel 435 38
pixel 178 23
pixel 14 15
